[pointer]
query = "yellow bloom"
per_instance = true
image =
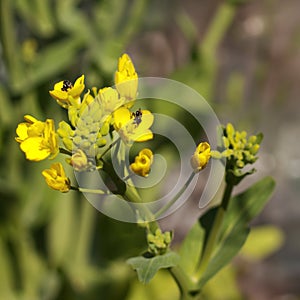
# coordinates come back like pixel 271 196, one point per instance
pixel 37 139
pixel 126 78
pixel 131 129
pixel 56 178
pixel 201 157
pixel 142 163
pixel 32 127
pixel 66 93
pixel 109 100
pixel 79 160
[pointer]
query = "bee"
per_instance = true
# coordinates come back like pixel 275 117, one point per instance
pixel 137 117
pixel 66 85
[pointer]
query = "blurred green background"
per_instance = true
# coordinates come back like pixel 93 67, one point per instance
pixel 242 56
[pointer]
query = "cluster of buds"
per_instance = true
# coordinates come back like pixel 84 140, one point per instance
pixel 158 243
pixel 239 151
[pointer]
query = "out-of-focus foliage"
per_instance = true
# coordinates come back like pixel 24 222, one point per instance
pixel 262 242
pixel 57 246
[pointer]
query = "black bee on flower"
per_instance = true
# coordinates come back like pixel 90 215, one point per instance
pixel 137 116
pixel 66 85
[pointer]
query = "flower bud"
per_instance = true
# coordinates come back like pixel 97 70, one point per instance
pixel 79 160
pixel 201 157
pixel 126 79
pixel 142 163
pixel 56 178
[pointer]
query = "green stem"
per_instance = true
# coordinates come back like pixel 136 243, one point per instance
pixel 128 177
pixel 85 190
pixel 214 233
pixel 184 283
pixel 182 190
pixel 132 195
pixel 108 148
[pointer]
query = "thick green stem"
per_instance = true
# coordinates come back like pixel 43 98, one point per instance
pixel 184 283
pixel 214 233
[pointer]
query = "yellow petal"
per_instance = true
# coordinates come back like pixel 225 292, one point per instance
pixel 21 132
pixel 147 119
pixel 78 87
pixel 59 94
pixel 121 117
pixel 30 119
pixel 56 178
pixel 146 136
pixel 59 85
pixel 32 149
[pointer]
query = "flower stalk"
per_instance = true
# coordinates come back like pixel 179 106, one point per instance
pixel 170 203
pixel 214 233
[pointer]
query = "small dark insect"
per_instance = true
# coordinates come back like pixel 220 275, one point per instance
pixel 66 85
pixel 137 117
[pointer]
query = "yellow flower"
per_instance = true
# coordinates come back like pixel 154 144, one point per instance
pixel 37 139
pixel 126 78
pixel 109 100
pixel 132 129
pixel 66 93
pixel 56 178
pixel 79 160
pixel 201 157
pixel 142 163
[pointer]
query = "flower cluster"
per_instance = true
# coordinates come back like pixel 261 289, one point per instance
pixel 38 140
pixel 159 242
pixel 239 150
pixel 92 120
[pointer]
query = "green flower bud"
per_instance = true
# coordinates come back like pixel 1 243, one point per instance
pixel 72 114
pixel 240 164
pixel 77 140
pixel 105 128
pixel 64 130
pixel 68 143
pixel 101 142
pixel 225 142
pixel 254 149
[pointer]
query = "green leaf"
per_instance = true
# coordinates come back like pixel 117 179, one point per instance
pixel 225 251
pixel 245 206
pixel 191 248
pixel 241 210
pixel 147 267
pixel 234 231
